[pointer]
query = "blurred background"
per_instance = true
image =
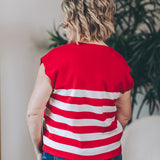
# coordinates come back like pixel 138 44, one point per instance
pixel 24 39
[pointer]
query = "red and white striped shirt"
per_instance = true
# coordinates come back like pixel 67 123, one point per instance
pixel 80 121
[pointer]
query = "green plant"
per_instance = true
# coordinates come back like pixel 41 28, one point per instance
pixel 139 42
pixel 56 38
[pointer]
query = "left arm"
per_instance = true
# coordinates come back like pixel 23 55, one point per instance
pixel 40 96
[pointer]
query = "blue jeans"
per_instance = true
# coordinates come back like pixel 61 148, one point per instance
pixel 47 156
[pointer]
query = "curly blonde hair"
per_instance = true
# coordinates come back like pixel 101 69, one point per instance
pixel 89 20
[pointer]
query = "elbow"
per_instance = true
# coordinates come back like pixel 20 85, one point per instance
pixel 33 113
pixel 125 118
pixel 28 116
pixel 29 113
pixel 129 116
pixel 125 115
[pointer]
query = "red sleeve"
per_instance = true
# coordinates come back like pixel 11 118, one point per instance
pixel 127 81
pixel 50 69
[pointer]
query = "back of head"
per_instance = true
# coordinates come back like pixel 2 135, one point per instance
pixel 89 20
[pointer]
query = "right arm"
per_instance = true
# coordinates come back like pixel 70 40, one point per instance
pixel 123 105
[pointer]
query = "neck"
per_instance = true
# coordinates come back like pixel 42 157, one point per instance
pixel 94 42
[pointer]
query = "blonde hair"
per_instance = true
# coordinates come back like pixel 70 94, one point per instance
pixel 89 19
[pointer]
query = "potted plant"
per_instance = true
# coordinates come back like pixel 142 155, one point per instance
pixel 137 39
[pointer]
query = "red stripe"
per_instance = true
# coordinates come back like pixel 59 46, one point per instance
pixel 81 115
pixel 71 156
pixel 83 144
pixel 81 129
pixel 84 100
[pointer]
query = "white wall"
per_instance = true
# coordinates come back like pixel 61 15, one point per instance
pixel 140 140
pixel 23 38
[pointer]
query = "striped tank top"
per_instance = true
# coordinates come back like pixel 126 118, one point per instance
pixel 80 116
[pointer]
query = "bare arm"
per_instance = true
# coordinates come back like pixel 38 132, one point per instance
pixel 36 106
pixel 123 105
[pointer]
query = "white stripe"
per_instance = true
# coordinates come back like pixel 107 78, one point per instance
pixel 84 136
pixel 79 122
pixel 87 93
pixel 80 151
pixel 81 107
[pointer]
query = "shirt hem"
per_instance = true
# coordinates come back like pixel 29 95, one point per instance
pixel 71 156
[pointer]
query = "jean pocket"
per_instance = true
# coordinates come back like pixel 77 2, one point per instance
pixel 119 157
pixel 43 156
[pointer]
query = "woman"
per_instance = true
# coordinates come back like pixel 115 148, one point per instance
pixel 83 88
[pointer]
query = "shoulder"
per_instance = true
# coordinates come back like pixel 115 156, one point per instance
pixel 58 50
pixel 116 54
pixel 56 54
pixel 120 60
